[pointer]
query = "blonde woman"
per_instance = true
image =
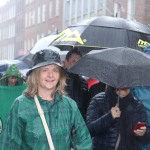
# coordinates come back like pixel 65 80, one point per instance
pixel 25 129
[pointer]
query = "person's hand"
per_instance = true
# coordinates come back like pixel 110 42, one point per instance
pixel 115 112
pixel 141 131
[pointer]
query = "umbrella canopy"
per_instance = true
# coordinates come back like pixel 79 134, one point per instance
pixel 119 67
pixel 43 43
pixel 104 32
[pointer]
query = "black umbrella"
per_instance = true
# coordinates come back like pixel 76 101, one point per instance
pixel 104 32
pixel 119 67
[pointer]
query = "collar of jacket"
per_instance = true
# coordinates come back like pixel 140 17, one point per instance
pixel 56 98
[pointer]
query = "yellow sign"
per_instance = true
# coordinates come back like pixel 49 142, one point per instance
pixel 142 43
pixel 68 35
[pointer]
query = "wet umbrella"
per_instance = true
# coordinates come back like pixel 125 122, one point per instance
pixel 28 59
pixel 43 43
pixel 104 32
pixel 119 67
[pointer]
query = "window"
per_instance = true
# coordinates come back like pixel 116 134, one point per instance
pixel 42 35
pixel 28 46
pixel 67 14
pixel 11 30
pixel 4 17
pixel 50 9
pixel 92 4
pixel 27 1
pixel 49 31
pixel 0 18
pixel 39 15
pixel 0 35
pixel 85 7
pixel 33 17
pixel 5 54
pixel 9 14
pixel 13 11
pixel 29 18
pixel 19 27
pixel 131 9
pixel 57 7
pixel 100 4
pixel 43 12
pixel 26 20
pixel 116 10
pixel 5 32
pixel 25 45
pixel 38 37
pixel 10 51
pixel 79 5
pixel 73 8
pixel 32 42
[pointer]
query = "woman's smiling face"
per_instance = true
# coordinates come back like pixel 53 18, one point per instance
pixel 49 77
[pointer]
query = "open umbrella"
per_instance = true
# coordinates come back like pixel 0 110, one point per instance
pixel 119 67
pixel 104 32
pixel 43 43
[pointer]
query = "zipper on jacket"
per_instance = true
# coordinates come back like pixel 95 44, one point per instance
pixel 117 143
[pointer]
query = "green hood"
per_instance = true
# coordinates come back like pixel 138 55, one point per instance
pixel 11 71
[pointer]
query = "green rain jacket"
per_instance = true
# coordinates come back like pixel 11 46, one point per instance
pixel 11 71
pixel 24 129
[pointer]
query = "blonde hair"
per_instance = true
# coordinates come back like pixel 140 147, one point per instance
pixel 32 82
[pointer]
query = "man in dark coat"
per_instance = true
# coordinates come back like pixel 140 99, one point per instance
pixel 111 124
pixel 77 87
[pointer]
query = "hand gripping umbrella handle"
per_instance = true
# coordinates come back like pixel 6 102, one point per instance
pixel 118 99
pixel 41 113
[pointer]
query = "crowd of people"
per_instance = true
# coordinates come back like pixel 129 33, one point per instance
pixel 58 111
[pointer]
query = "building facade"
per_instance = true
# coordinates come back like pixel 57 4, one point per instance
pixel 42 17
pixel 8 30
pixel 77 10
pixel 23 23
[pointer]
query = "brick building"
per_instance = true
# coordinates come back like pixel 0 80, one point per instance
pixel 24 22
pixel 41 18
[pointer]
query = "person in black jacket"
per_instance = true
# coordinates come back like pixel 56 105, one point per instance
pixel 77 87
pixel 111 118
pixel 95 89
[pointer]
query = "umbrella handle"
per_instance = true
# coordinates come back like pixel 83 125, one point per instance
pixel 118 99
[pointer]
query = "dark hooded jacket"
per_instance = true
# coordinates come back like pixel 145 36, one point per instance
pixel 77 89
pixel 105 130
pixel 11 71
